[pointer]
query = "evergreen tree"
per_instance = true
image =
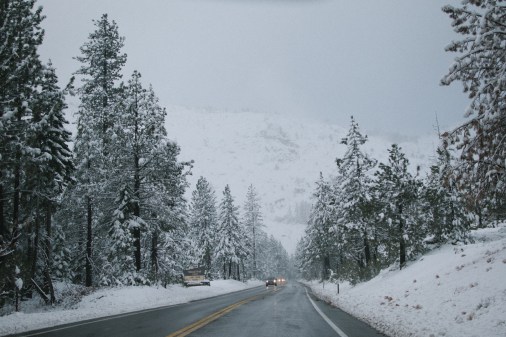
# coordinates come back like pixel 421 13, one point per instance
pixel 322 240
pixel 120 270
pixel 229 249
pixel 203 221
pixel 35 159
pixel 352 192
pixel 102 62
pixel 50 165
pixel 399 192
pixel 252 220
pixel 449 219
pixel 20 36
pixel 62 256
pixel 167 243
pixel 480 67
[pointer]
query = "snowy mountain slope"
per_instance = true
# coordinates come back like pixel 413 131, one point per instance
pixel 280 155
pixel 454 291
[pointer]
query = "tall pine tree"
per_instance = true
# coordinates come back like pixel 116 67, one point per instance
pixel 102 62
pixel 352 190
pixel 252 220
pixel 229 249
pixel 203 221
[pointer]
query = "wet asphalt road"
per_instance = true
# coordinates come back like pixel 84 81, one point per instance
pixel 286 313
pixel 283 311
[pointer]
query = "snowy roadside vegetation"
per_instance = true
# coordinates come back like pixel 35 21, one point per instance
pixel 81 303
pixel 453 291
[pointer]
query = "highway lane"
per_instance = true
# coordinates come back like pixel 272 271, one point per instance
pixel 287 313
pixel 158 322
pixel 283 311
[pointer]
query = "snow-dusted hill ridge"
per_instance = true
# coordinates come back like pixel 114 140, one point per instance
pixel 280 155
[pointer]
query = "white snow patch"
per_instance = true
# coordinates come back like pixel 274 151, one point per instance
pixel 19 283
pixel 453 291
pixel 113 301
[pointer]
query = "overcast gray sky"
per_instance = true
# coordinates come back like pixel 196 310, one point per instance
pixel 378 60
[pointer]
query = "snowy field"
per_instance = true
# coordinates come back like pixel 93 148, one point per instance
pixel 111 301
pixel 454 291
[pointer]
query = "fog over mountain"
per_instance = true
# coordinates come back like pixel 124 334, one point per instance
pixel 281 156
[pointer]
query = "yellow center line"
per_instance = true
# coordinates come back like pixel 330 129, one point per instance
pixel 208 319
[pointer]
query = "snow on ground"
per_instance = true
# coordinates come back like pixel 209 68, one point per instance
pixel 452 291
pixel 112 301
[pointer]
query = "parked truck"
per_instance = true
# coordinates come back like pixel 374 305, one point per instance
pixel 195 277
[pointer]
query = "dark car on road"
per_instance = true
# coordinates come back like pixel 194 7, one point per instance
pixel 271 281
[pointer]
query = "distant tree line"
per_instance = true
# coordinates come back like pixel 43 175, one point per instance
pixel 369 216
pixel 109 210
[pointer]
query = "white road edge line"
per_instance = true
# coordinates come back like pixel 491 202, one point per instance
pixel 329 322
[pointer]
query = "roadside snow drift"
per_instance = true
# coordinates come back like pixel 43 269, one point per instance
pixel 453 291
pixel 113 301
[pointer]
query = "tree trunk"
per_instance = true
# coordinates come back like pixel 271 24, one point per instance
pixel 89 243
pixel 137 187
pixel 137 212
pixel 16 200
pixel 48 283
pixel 3 230
pixel 154 254
pixel 35 252
pixel 137 246
pixel 254 255
pixel 207 259
pixel 326 267
pixel 402 244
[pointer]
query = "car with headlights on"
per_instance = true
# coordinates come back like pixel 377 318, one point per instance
pixel 271 281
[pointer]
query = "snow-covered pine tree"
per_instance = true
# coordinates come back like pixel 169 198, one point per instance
pixel 352 195
pixel 449 220
pixel 273 258
pixel 50 165
pixel 304 265
pixel 481 67
pixel 138 134
pixel 203 221
pixel 62 256
pixel 165 206
pixel 20 73
pixel 322 243
pixel 101 64
pixel 120 270
pixel 252 221
pixel 398 191
pixel 229 249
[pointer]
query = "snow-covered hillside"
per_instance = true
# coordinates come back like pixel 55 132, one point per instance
pixel 280 155
pixel 454 291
